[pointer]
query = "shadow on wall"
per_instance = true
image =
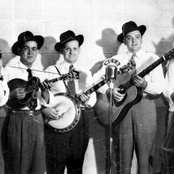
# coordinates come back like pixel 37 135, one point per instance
pixel 165 45
pixel 51 56
pixel 6 52
pixel 109 45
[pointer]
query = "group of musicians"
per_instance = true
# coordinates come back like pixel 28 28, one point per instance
pixel 46 128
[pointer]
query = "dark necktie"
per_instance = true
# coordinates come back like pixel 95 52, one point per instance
pixel 132 61
pixel 29 73
pixel 71 84
pixel 33 100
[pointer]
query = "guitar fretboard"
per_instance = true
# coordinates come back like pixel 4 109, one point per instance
pixel 149 68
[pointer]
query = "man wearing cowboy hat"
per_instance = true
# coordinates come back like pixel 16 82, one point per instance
pixel 24 139
pixel 137 130
pixel 67 149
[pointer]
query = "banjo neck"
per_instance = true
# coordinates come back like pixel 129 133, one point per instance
pixel 95 87
pixel 91 90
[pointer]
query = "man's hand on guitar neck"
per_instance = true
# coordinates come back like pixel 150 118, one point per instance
pixel 46 85
pixel 84 98
pixel 18 93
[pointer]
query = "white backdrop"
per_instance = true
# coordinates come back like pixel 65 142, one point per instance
pixel 100 22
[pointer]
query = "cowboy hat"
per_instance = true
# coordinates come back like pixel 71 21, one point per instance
pixel 25 37
pixel 66 37
pixel 128 27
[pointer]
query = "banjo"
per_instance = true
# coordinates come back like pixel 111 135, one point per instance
pixel 71 108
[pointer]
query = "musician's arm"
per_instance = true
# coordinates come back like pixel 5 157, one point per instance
pixel 88 100
pixel 46 98
pixel 168 91
pixel 4 92
pixel 156 82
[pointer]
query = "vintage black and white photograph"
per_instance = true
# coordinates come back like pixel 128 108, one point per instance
pixel 86 87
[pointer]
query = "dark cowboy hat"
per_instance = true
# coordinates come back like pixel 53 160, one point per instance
pixel 25 37
pixel 66 37
pixel 128 27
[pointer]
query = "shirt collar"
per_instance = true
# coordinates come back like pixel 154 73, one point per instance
pixel 138 54
pixel 67 65
pixel 22 66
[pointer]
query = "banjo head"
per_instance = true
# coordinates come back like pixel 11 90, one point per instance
pixel 69 113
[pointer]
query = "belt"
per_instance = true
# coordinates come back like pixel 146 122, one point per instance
pixel 147 97
pixel 28 112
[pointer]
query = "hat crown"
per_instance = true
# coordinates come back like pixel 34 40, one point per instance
pixel 23 37
pixel 68 35
pixel 26 37
pixel 128 27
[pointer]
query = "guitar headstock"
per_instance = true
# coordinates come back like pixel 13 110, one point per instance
pixel 169 55
pixel 125 68
pixel 73 75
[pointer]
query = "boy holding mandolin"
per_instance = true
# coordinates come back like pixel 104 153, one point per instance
pixel 23 142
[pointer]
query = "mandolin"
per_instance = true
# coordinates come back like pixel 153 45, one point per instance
pixel 31 86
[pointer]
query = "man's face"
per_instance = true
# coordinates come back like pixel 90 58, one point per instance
pixel 71 51
pixel 133 41
pixel 28 53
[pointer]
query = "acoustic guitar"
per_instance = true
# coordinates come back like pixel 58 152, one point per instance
pixel 133 95
pixel 31 86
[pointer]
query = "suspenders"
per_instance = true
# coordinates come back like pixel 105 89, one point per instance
pixel 60 75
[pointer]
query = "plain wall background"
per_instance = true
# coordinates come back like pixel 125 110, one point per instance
pixel 100 22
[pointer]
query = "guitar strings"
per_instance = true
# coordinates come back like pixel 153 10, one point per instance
pixel 33 70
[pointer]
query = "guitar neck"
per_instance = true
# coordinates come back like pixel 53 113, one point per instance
pixel 38 84
pixel 151 67
pixel 145 71
pixel 57 79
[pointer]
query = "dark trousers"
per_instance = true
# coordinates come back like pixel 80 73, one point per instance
pixel 136 132
pixel 23 144
pixel 67 149
pixel 168 149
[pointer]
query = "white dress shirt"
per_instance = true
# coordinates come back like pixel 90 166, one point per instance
pixel 19 70
pixel 155 78
pixel 4 91
pixel 82 84
pixel 169 88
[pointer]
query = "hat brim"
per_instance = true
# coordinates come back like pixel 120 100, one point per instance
pixel 59 45
pixel 141 28
pixel 38 39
